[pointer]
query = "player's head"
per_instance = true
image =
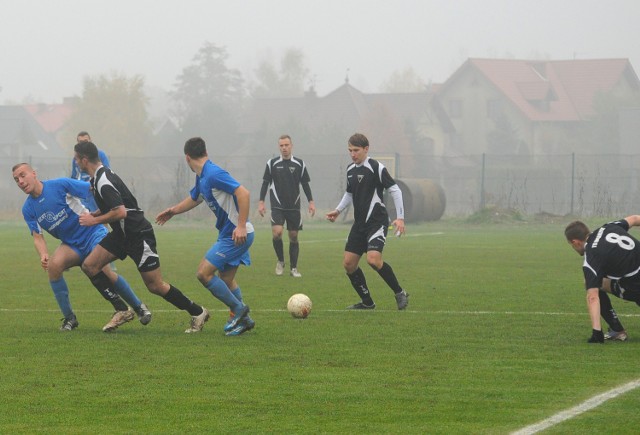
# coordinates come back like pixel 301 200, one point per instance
pixel 85 152
pixel 576 234
pixel 195 148
pixel 358 148
pixel 25 177
pixel 83 136
pixel 285 145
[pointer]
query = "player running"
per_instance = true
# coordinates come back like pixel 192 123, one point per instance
pixel 366 181
pixel 55 207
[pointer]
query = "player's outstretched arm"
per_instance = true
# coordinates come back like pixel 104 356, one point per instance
pixel 183 206
pixel 633 220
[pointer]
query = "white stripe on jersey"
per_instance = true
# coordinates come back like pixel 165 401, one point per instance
pixel 75 204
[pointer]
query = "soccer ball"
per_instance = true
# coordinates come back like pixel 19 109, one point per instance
pixel 299 306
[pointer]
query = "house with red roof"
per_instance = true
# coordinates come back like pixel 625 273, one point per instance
pixel 509 106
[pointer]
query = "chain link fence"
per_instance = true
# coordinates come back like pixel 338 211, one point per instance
pixel 581 185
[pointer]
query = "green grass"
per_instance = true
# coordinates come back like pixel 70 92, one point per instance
pixel 494 339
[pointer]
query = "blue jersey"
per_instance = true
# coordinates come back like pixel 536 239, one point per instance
pixel 57 210
pixel 215 186
pixel 78 174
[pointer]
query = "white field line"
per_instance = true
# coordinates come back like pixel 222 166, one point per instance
pixel 338 310
pixel 585 406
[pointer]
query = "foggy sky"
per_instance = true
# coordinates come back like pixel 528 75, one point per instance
pixel 47 47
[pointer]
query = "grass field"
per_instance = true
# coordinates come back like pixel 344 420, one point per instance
pixel 493 340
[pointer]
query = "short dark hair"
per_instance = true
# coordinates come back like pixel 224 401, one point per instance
pixel 17 165
pixel 285 136
pixel 83 133
pixel 576 230
pixel 359 140
pixel 195 148
pixel 88 150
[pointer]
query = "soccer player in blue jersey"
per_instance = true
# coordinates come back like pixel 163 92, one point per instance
pixel 79 174
pixel 55 206
pixel 366 181
pixel 611 265
pixel 131 236
pixel 229 201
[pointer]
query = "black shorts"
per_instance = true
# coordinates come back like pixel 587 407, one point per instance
pixel 141 247
pixel 293 218
pixel 626 289
pixel 364 238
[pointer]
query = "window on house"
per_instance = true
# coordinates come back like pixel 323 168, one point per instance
pixel 455 108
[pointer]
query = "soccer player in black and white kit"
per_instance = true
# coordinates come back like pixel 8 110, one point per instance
pixel 132 235
pixel 366 181
pixel 611 265
pixel 283 177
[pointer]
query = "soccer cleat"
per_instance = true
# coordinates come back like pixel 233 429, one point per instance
pixel 241 314
pixel 69 323
pixel 361 306
pixel 294 273
pixel 247 324
pixel 119 318
pixel 402 299
pixel 616 335
pixel 197 322
pixel 144 314
pixel 279 268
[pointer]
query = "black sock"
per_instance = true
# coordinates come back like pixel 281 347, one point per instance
pixel 608 313
pixel 294 250
pixel 386 272
pixel 176 298
pixel 359 283
pixel 103 285
pixel 278 246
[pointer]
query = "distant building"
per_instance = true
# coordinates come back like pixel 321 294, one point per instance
pixel 505 106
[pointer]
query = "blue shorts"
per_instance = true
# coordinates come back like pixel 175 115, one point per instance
pixel 84 249
pixel 225 254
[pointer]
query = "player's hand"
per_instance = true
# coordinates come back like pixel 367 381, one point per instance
pixel 398 224
pixel 312 209
pixel 239 235
pixel 164 216
pixel 261 208
pixel 332 215
pixel 87 220
pixel 596 337
pixel 44 261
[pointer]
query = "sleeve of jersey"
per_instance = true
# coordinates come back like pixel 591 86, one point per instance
pixel 104 159
pixel 386 179
pixel 110 196
pixel 74 170
pixel 224 181
pixel 77 188
pixel 195 190
pixel 590 268
pixel 396 194
pixel 267 172
pixel 30 219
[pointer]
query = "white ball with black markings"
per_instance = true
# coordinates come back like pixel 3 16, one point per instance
pixel 299 306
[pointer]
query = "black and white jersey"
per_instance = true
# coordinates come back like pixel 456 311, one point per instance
pixel 110 192
pixel 282 178
pixel 611 252
pixel 366 184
